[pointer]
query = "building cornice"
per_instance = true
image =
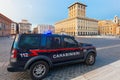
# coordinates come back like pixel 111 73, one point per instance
pixel 68 19
pixel 84 18
pixel 25 23
pixel 77 3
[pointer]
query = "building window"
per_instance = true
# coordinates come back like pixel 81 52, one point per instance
pixel 78 33
pixel 81 7
pixel 74 7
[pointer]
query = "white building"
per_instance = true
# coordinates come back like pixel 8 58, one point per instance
pixel 13 28
pixel 44 28
pixel 24 26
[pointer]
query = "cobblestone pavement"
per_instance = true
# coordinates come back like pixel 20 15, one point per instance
pixel 107 50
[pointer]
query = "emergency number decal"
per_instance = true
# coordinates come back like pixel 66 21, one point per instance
pixel 24 55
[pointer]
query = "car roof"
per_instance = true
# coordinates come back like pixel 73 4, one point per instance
pixel 48 35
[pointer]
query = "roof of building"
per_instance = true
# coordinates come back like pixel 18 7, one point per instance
pixel 77 3
pixel 106 21
pixel 24 21
pixel 3 16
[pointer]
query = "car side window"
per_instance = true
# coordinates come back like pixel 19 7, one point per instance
pixel 69 42
pixel 53 42
pixel 29 42
pixel 43 42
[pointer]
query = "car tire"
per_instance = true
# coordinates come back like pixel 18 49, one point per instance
pixel 90 59
pixel 39 70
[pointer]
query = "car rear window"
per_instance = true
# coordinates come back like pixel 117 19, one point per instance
pixel 29 42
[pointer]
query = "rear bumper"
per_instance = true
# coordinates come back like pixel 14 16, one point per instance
pixel 11 68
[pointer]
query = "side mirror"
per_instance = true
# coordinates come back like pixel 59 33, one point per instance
pixel 80 44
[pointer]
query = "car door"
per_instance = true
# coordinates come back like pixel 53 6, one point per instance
pixel 54 48
pixel 71 49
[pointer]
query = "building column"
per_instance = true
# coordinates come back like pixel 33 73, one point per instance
pixel 76 28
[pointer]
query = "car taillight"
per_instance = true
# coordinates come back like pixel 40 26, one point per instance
pixel 14 53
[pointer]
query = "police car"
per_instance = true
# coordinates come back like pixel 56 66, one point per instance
pixel 38 53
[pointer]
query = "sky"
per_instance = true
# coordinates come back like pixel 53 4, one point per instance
pixel 51 11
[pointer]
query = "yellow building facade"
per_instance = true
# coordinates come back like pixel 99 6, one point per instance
pixel 117 22
pixel 109 27
pixel 77 24
pixel 118 30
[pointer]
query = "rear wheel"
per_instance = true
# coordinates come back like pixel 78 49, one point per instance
pixel 39 70
pixel 90 59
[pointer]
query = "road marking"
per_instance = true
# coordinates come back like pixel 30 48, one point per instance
pixel 113 46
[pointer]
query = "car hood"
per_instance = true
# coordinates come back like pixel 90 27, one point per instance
pixel 85 44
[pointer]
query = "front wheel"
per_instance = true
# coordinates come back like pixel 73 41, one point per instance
pixel 90 59
pixel 39 70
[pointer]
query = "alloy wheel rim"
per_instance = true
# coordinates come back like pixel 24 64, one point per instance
pixel 91 59
pixel 39 70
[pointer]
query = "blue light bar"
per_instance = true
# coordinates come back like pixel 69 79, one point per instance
pixel 48 32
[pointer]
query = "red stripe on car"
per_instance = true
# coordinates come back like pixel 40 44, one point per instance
pixel 36 51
